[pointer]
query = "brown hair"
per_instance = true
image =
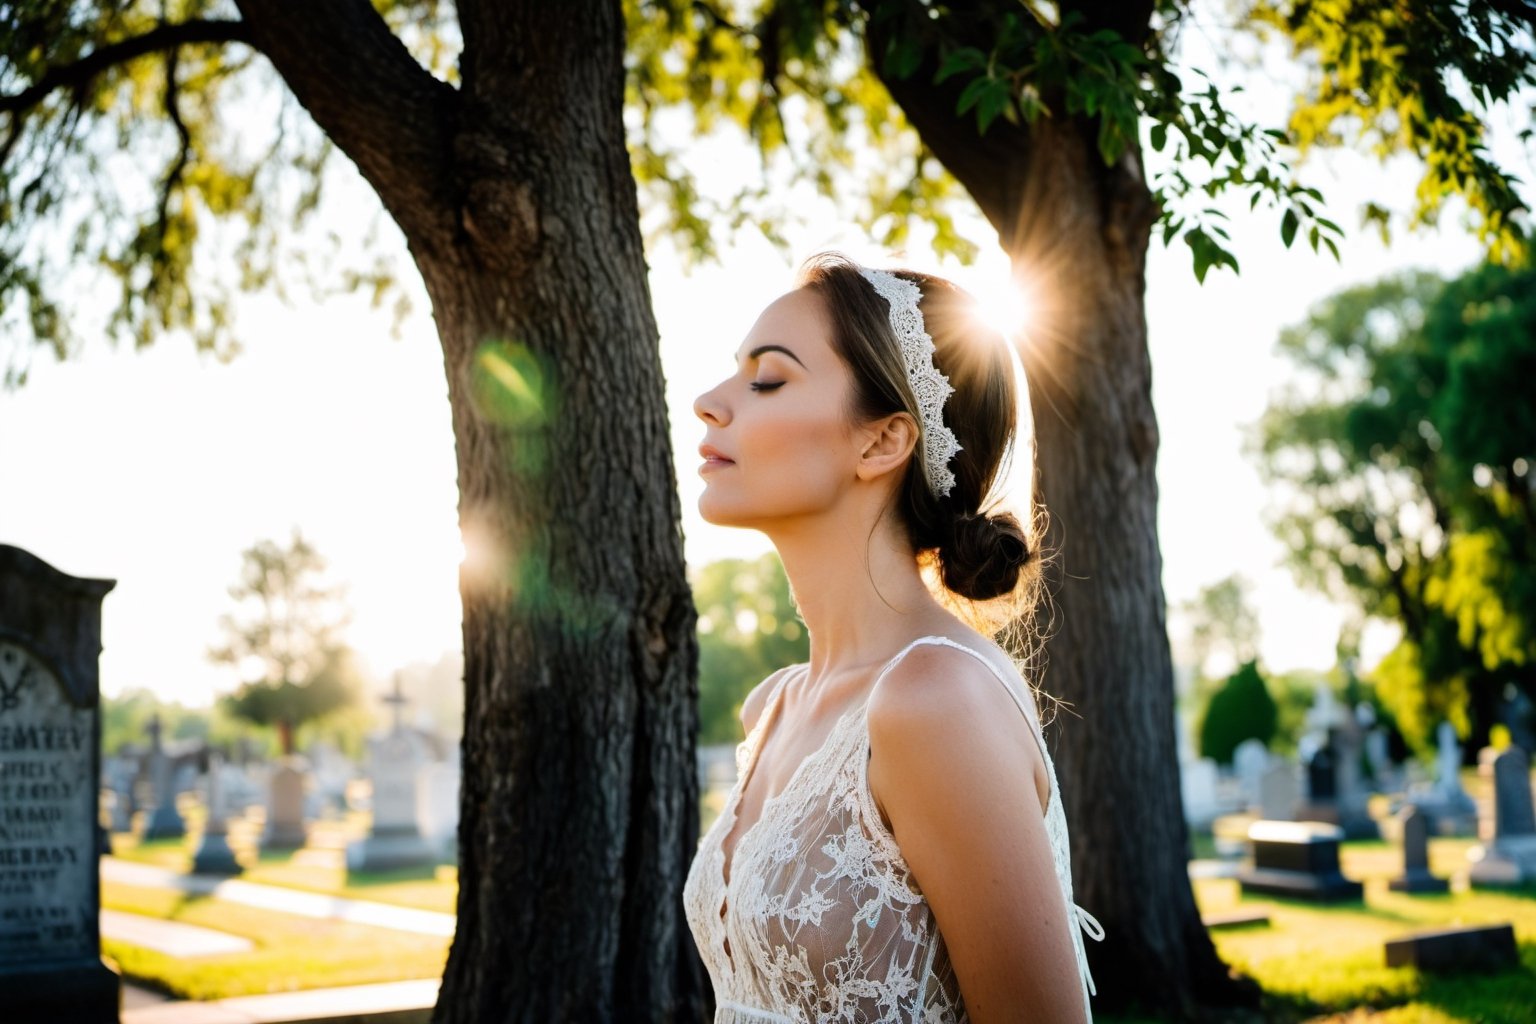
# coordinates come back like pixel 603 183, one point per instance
pixel 977 552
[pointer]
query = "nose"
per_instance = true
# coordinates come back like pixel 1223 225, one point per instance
pixel 710 408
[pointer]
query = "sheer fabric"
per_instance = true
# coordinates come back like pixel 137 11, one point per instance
pixel 823 920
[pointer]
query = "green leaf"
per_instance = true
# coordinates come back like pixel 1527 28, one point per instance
pixel 1159 136
pixel 967 58
pixel 972 94
pixel 1288 224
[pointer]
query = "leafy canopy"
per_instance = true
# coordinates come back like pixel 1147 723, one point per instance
pixel 131 129
pixel 1407 443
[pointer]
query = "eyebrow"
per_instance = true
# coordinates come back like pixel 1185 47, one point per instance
pixel 757 352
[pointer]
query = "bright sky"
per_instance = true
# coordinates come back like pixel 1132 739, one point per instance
pixel 158 468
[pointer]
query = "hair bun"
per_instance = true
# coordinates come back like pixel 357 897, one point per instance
pixel 983 556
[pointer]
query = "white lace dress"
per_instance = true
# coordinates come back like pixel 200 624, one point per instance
pixel 825 922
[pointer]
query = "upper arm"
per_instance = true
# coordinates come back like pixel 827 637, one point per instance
pixel 952 761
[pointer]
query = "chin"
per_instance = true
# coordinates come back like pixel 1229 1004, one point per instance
pixel 718 513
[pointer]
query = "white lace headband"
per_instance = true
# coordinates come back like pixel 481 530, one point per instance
pixel 929 386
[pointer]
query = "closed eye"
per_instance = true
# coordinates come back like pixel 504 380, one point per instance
pixel 766 385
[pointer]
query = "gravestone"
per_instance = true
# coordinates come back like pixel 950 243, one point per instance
pixel 164 820
pixel 286 828
pixel 1279 792
pixel 438 807
pixel 1452 810
pixel 1298 859
pixel 1416 876
pixel 1198 781
pixel 1199 778
pixel 50 763
pixel 1490 948
pixel 117 782
pixel 1249 761
pixel 214 856
pixel 395 839
pixel 1352 797
pixel 1508 858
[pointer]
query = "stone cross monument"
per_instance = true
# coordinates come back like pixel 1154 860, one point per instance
pixel 50 760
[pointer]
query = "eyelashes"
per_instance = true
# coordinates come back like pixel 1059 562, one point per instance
pixel 764 386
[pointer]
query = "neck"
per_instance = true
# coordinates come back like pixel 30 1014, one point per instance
pixel 860 600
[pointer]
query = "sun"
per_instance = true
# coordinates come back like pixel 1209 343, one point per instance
pixel 1005 304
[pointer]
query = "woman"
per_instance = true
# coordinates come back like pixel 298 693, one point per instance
pixel 895 848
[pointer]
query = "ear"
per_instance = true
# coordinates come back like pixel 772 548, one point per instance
pixel 886 444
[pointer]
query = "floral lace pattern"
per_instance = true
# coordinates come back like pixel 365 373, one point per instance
pixel 822 920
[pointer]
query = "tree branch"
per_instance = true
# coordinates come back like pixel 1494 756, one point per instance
pixel 371 97
pixel 77 74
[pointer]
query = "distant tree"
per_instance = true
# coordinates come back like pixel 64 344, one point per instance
pixel 125 721
pixel 285 638
pixel 748 627
pixel 1221 620
pixel 1406 445
pixel 1240 709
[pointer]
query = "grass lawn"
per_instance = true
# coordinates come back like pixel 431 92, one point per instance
pixel 1328 963
pixel 291 953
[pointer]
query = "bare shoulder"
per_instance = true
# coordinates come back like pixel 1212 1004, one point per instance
pixel 935 686
pixel 752 706
pixel 937 699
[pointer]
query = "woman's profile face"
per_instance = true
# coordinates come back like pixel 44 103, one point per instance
pixel 778 443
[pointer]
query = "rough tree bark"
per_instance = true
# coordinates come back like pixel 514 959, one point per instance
pixel 1078 232
pixel 579 799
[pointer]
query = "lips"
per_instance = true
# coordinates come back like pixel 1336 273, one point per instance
pixel 712 455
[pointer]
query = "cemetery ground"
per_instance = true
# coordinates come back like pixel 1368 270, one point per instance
pixel 288 952
pixel 1316 963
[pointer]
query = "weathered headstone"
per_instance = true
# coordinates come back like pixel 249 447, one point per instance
pixel 164 819
pixel 395 840
pixel 286 828
pixel 1416 876
pixel 1279 792
pixel 1248 762
pixel 438 807
pixel 214 856
pixel 1352 796
pixel 1508 858
pixel 50 764
pixel 1452 811
pixel 1488 948
pixel 1298 859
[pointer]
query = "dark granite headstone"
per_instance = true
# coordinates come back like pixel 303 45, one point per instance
pixel 1483 948
pixel 1416 876
pixel 50 760
pixel 1298 859
pixel 1322 777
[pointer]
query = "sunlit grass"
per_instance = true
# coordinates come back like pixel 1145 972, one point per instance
pixel 1319 962
pixel 292 953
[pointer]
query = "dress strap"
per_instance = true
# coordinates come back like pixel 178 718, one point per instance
pixel 1030 714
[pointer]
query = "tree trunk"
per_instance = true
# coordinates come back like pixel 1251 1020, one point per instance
pixel 1096 437
pixel 579 801
pixel 580 795
pixel 1077 233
